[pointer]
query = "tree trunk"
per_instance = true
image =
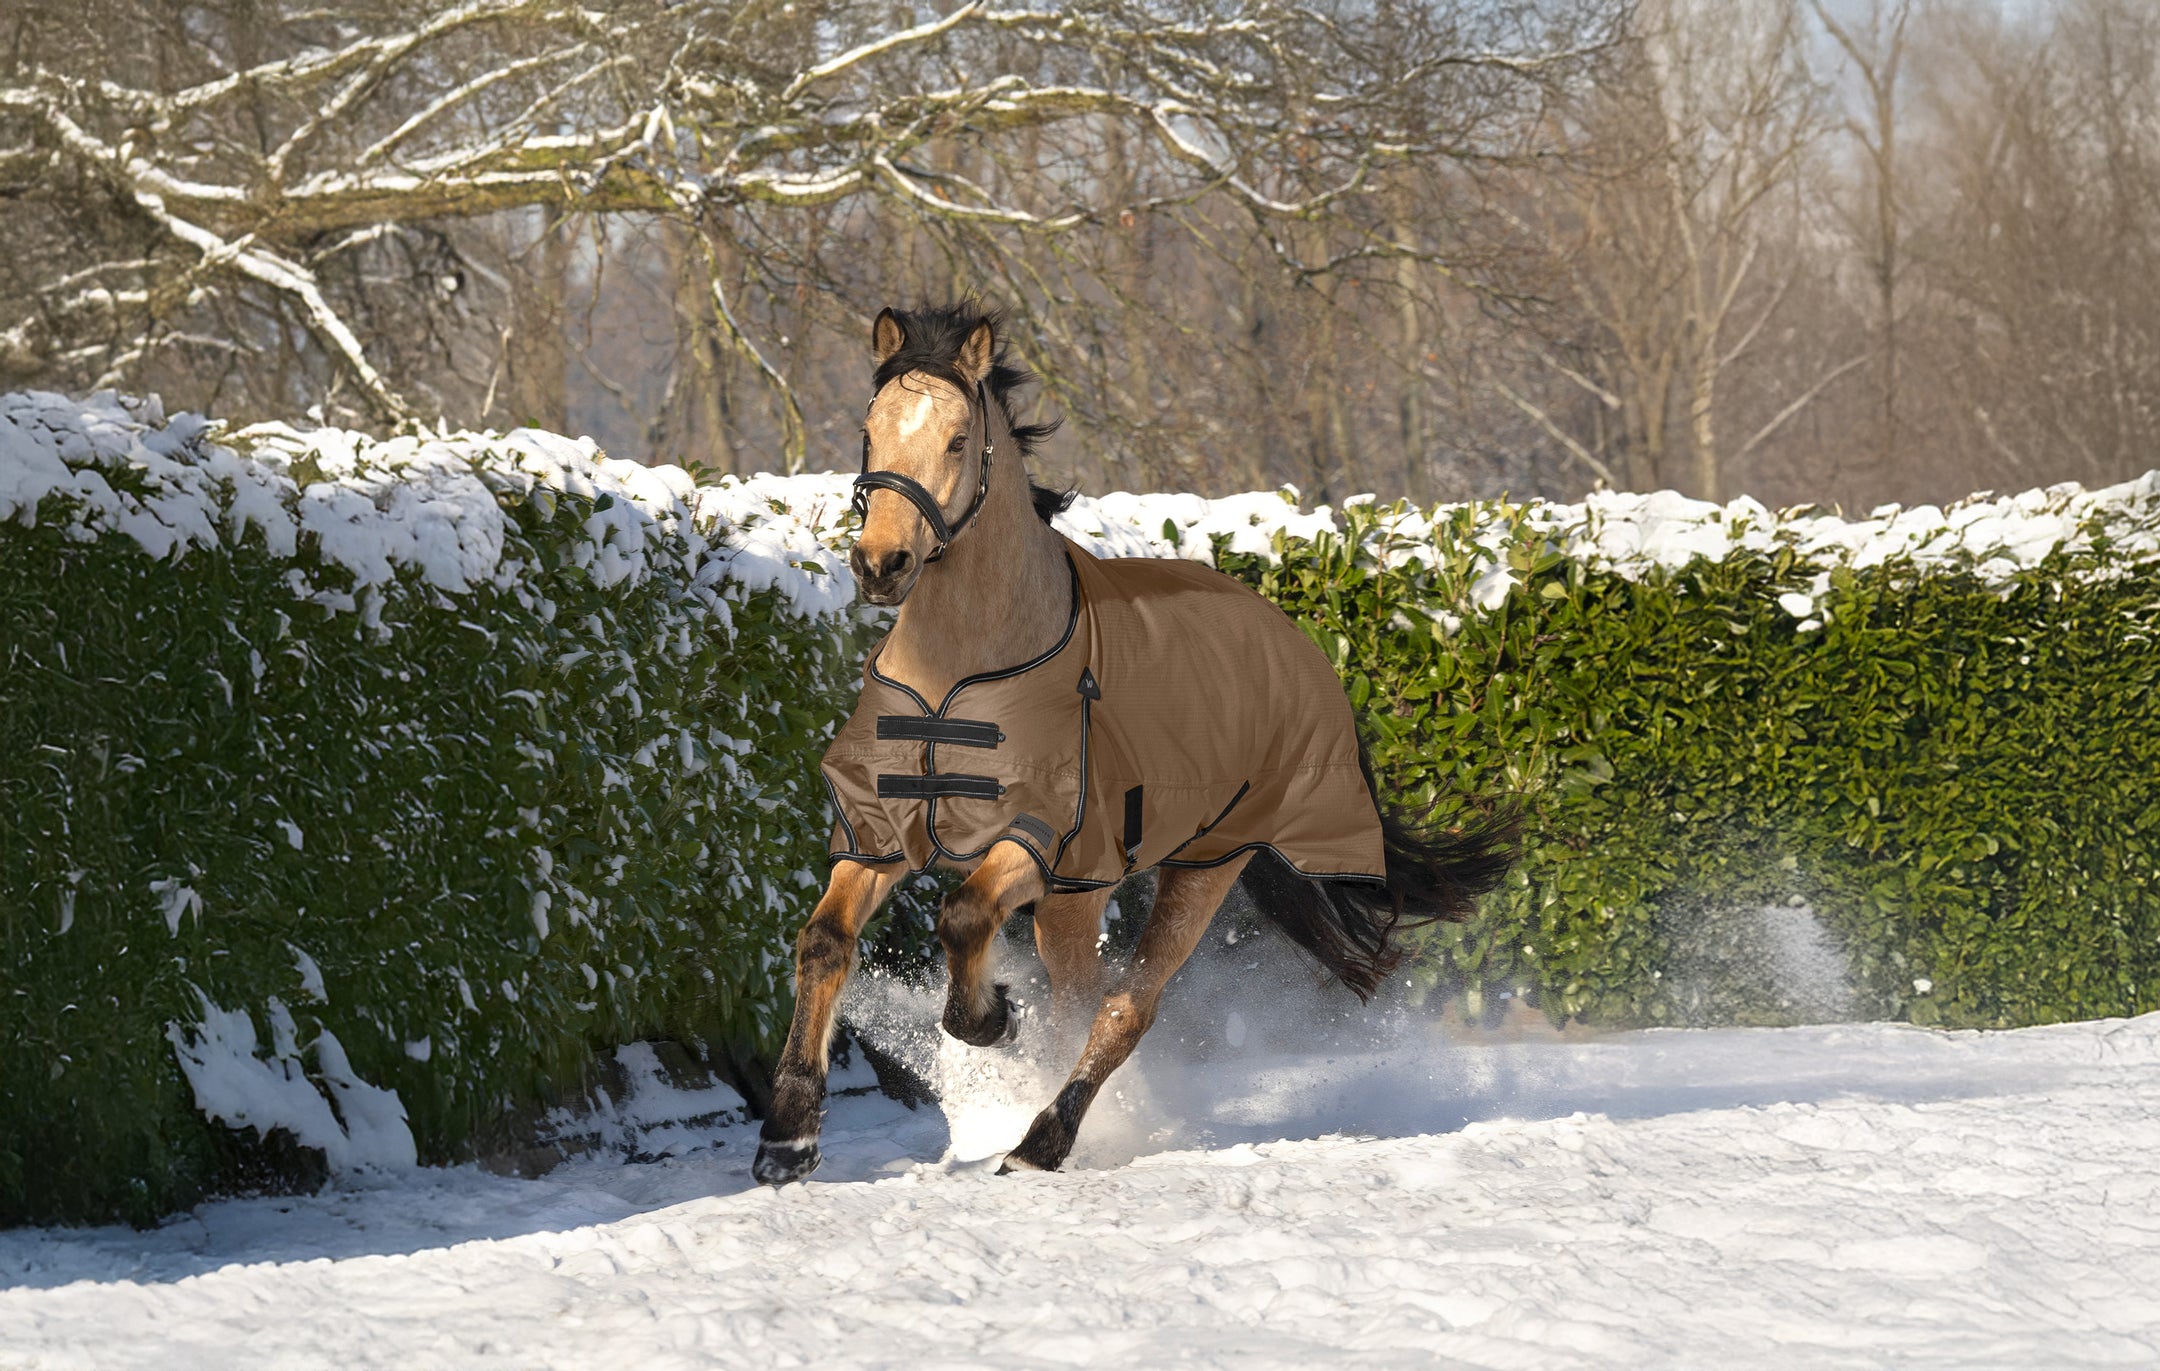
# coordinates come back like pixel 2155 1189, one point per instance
pixel 693 429
pixel 1702 434
pixel 1416 458
pixel 539 346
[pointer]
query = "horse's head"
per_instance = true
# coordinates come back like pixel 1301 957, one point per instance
pixel 924 448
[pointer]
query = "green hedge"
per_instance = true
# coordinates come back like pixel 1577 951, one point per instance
pixel 447 826
pixel 472 836
pixel 1957 768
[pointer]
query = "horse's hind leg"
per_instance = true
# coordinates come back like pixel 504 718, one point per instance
pixel 976 1011
pixel 1068 937
pixel 1185 900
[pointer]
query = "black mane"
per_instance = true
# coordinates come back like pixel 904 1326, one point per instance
pixel 932 335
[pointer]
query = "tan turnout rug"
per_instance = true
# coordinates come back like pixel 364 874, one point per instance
pixel 1183 719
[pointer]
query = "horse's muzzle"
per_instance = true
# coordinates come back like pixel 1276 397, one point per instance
pixel 888 582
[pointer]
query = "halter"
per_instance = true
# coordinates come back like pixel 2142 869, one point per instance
pixel 921 498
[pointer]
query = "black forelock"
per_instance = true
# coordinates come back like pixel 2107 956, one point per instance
pixel 931 339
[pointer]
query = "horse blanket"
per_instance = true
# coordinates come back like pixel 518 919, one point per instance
pixel 1180 721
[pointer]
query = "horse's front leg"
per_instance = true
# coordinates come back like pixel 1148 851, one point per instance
pixel 824 954
pixel 976 1011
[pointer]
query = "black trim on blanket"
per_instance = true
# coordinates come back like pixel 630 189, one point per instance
pixel 896 685
pixel 1087 729
pixel 907 787
pixel 932 737
pixel 1072 621
pixel 839 814
pixel 909 728
pixel 1055 884
pixel 850 854
pixel 930 814
pixel 1210 826
pixel 1236 852
pixel 867 860
pixel 937 844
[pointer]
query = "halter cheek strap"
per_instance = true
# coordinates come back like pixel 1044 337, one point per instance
pixel 915 493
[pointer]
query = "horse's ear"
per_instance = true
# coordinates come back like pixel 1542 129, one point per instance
pixel 973 363
pixel 886 335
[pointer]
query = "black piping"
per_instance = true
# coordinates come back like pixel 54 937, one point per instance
pixel 1211 824
pixel 897 685
pixel 838 812
pixel 1072 621
pixel 909 728
pixel 906 787
pixel 1365 876
pixel 1087 729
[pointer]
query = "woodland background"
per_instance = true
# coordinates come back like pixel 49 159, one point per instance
pixel 1841 251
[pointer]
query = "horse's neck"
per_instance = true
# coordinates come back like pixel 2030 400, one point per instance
pixel 1001 594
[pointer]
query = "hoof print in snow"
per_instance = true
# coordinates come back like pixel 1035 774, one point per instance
pixel 779 1163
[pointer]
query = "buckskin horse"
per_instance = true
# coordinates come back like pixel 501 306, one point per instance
pixel 1093 719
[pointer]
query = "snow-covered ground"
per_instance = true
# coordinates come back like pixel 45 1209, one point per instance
pixel 1841 1196
pixel 1269 1184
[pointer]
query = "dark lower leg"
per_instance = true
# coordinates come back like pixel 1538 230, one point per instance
pixel 824 954
pixel 1184 903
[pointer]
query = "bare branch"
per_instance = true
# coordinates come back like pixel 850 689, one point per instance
pixel 1800 402
pixel 1555 432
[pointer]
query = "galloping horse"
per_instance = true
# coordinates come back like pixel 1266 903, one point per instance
pixel 1094 719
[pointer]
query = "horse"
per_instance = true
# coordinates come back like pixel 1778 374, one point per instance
pixel 1094 719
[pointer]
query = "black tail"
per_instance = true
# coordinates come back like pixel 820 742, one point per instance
pixel 1433 875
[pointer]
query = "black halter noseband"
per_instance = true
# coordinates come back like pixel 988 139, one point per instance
pixel 912 490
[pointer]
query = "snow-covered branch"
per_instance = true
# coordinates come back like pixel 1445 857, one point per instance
pixel 270 170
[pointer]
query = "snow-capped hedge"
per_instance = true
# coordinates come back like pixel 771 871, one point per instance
pixel 1935 730
pixel 362 787
pixel 357 789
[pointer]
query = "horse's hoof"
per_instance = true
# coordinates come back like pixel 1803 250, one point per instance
pixel 1015 1162
pixel 995 1029
pixel 777 1163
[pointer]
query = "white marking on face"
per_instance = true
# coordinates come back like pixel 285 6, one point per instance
pixel 914 419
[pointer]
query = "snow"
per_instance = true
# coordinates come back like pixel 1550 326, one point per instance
pixel 428 505
pixel 432 504
pixel 1251 1191
pixel 1635 535
pixel 1835 1196
pixel 233 1084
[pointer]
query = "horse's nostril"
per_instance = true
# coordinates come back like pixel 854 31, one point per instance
pixel 894 563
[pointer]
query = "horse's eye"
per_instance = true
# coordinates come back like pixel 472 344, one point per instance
pixel 957 445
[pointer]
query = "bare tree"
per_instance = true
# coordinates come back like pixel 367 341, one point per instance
pixel 263 171
pixel 1690 176
pixel 1874 47
pixel 2044 255
pixel 1438 249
